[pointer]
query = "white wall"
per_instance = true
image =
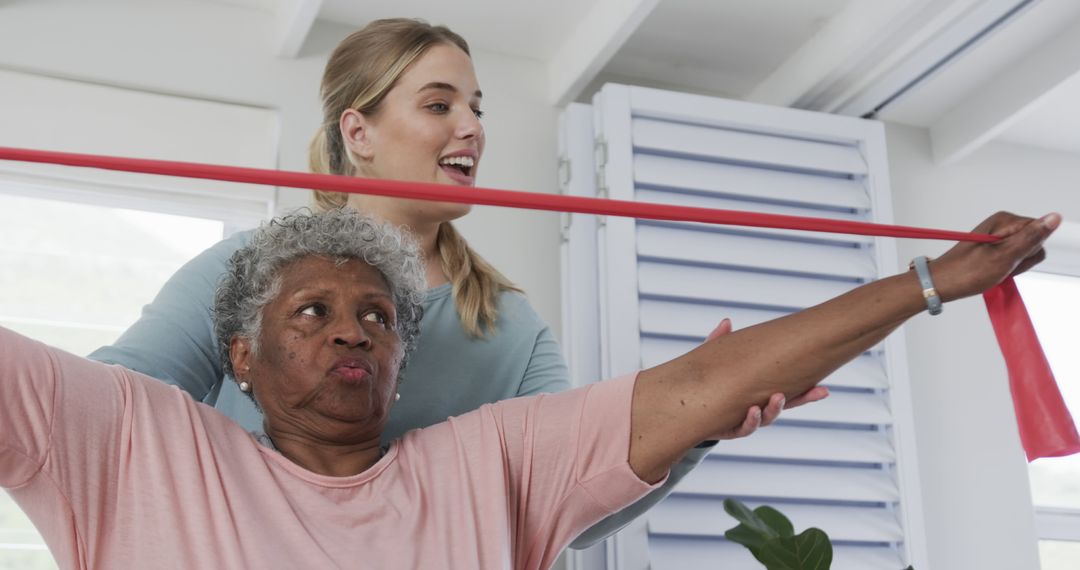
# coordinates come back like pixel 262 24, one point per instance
pixel 974 475
pixel 521 129
pixel 224 53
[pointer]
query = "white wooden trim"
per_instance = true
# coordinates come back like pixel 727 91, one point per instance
pixel 619 339
pixel 896 364
pixel 782 121
pixel 1063 258
pixel 293 24
pixel 1006 97
pixel 1063 250
pixel 745 147
pixel 716 181
pixel 845 524
pixel 662 299
pixel 621 330
pixel 596 38
pixel 725 555
pixel 847 38
pixel 236 209
pixel 1057 524
pixel 578 250
pixel 936 38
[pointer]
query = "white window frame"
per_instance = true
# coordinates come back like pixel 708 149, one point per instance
pixel 1062 258
pixel 236 210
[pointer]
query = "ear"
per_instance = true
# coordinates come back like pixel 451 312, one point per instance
pixel 356 133
pixel 240 354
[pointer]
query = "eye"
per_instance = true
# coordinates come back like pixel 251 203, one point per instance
pixel 376 317
pixel 479 114
pixel 314 310
pixel 439 108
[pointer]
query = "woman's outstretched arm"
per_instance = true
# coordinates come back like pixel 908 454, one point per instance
pixel 707 391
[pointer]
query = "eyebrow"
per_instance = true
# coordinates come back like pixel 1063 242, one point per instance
pixel 317 291
pixel 447 87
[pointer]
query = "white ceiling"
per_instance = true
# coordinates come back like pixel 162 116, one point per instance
pixel 722 47
pixel 1011 46
pixel 1054 123
pixel 529 29
pixel 1017 83
pixel 263 5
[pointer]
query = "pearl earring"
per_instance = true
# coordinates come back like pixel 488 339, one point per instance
pixel 245 386
pixel 397 396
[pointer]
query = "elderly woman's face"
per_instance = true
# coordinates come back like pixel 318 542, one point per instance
pixel 328 352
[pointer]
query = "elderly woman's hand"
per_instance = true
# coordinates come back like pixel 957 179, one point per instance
pixel 755 416
pixel 972 268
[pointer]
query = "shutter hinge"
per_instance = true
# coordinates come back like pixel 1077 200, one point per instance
pixel 600 157
pixel 565 218
pixel 564 175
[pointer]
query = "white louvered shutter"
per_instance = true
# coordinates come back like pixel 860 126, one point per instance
pixel 847 464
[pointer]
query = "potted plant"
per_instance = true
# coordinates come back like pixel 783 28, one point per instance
pixel 771 538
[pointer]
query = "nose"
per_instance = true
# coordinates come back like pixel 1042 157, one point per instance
pixel 469 126
pixel 349 331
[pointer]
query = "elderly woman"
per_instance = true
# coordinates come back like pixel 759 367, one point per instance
pixel 317 315
pixel 401 101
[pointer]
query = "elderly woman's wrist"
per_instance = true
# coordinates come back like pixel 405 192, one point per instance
pixel 930 293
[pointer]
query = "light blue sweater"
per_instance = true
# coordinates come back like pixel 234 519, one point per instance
pixel 449 373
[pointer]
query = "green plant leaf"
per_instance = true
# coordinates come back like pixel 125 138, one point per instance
pixel 752 531
pixel 775 520
pixel 744 515
pixel 809 550
pixel 744 535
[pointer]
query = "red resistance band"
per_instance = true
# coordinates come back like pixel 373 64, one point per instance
pixel 1046 427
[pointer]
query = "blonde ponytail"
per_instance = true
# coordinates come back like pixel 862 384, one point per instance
pixel 476 283
pixel 320 161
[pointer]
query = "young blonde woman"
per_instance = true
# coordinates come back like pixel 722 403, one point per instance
pixel 400 101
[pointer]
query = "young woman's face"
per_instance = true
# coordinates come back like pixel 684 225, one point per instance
pixel 427 128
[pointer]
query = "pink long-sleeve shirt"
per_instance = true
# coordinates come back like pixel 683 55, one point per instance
pixel 120 471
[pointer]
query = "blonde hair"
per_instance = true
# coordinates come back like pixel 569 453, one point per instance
pixel 360 72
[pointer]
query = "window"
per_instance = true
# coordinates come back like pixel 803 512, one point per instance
pixel 1053 301
pixel 78 289
pixel 83 250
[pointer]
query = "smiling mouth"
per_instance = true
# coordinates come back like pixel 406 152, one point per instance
pixel 461 165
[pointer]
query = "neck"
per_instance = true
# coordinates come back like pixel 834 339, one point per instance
pixel 425 231
pixel 327 458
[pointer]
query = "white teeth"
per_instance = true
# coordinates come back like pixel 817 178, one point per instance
pixel 466 161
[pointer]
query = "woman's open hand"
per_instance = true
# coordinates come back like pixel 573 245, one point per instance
pixel 971 268
pixel 756 416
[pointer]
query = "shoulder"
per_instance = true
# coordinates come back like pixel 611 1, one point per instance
pixel 228 246
pixel 516 317
pixel 517 313
pixel 211 263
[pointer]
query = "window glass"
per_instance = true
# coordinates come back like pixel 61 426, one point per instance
pixel 1053 302
pixel 76 276
pixel 1059 555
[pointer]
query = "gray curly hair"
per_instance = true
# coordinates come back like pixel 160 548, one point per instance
pixel 254 278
